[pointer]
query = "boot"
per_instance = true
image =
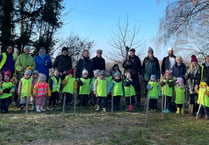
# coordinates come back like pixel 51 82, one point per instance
pixel 42 108
pixel 97 108
pixel 182 111
pixel 37 108
pixel 178 110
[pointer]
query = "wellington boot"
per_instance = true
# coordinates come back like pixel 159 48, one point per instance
pixel 178 110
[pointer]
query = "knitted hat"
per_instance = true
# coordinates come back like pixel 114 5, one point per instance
pixel 102 73
pixel 64 49
pixel 35 72
pixel 150 50
pixel 194 58
pixel 117 73
pixel 26 47
pixel 179 80
pixel 85 71
pixel 8 73
pixel 71 71
pixel 170 49
pixel 27 72
pixel 96 71
pixel 152 77
pixel 42 77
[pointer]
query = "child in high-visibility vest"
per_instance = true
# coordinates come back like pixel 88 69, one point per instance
pixel 84 88
pixel 55 87
pixel 129 90
pixel 117 90
pixel 8 89
pixel 203 98
pixel 92 95
pixel 41 91
pixel 180 95
pixel 69 87
pixel 25 88
pixel 153 92
pixel 167 84
pixel 100 90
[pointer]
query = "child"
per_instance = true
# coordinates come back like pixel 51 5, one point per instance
pixel 35 76
pixel 69 84
pixel 84 88
pixel 180 95
pixel 117 90
pixel 92 95
pixel 167 83
pixel 100 90
pixel 153 92
pixel 55 87
pixel 25 88
pixel 8 89
pixel 129 90
pixel 41 91
pixel 203 99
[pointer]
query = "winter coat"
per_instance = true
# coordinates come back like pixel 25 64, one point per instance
pixel 165 64
pixel 151 67
pixel 133 65
pixel 202 73
pixel 63 63
pixel 24 61
pixel 98 63
pixel 179 70
pixel 84 64
pixel 43 64
pixel 7 62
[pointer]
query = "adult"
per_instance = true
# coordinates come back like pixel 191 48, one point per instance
pixel 191 77
pixel 43 62
pixel 24 61
pixel 168 61
pixel 133 65
pixel 63 62
pixel 204 71
pixel 84 63
pixel 7 60
pixel 150 67
pixel 98 62
pixel 179 69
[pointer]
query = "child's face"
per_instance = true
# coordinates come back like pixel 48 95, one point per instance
pixel 101 77
pixel 35 76
pixel 128 75
pixel 167 76
pixel 203 85
pixel 6 78
pixel 56 73
pixel 26 76
pixel 117 77
pixel 70 75
pixel 95 75
pixel 85 75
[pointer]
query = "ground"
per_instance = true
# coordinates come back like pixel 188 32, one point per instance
pixel 90 128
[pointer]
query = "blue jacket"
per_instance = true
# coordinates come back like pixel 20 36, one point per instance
pixel 43 64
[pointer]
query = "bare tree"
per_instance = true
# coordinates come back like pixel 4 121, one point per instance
pixel 185 24
pixel 127 36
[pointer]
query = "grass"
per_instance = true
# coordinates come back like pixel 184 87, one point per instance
pixel 87 127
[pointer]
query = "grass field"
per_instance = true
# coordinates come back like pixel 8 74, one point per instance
pixel 87 127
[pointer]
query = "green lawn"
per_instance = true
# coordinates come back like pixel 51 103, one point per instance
pixel 87 127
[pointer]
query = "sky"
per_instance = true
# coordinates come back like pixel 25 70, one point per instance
pixel 98 19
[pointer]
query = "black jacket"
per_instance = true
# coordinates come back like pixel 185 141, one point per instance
pixel 98 63
pixel 179 70
pixel 202 73
pixel 63 63
pixel 165 64
pixel 84 64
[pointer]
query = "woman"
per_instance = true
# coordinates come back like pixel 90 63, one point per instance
pixel 43 62
pixel 7 60
pixel 179 69
pixel 191 77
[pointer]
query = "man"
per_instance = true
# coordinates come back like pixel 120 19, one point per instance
pixel 133 65
pixel 98 62
pixel 63 62
pixel 203 72
pixel 168 61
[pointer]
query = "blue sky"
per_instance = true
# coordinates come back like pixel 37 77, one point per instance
pixel 98 19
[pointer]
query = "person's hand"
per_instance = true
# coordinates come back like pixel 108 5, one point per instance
pixel 196 87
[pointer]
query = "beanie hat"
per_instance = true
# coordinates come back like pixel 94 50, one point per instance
pixel 194 58
pixel 96 71
pixel 27 72
pixel 179 80
pixel 170 49
pixel 42 77
pixel 150 50
pixel 117 73
pixel 8 73
pixel 85 71
pixel 64 49
pixel 26 47
pixel 152 77
pixel 71 71
pixel 35 72
pixel 102 73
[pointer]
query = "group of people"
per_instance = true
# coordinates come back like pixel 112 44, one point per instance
pixel 96 84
